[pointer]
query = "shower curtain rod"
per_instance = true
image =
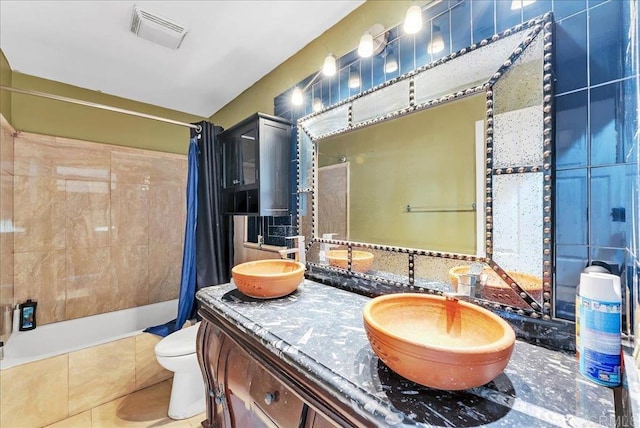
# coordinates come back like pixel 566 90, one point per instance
pixel 198 128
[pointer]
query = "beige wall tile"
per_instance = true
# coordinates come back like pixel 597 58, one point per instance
pixel 165 266
pixel 101 374
pixel 34 394
pixel 38 217
pixel 82 420
pixel 89 282
pixel 87 213
pixel 6 147
pixel 167 203
pixel 164 168
pixel 130 268
pixel 129 214
pixel 40 276
pixel 41 155
pixel 6 213
pixel 132 168
pixel 148 370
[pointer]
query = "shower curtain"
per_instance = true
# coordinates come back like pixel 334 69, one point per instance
pixel 208 237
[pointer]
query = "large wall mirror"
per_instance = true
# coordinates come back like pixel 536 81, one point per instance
pixel 440 170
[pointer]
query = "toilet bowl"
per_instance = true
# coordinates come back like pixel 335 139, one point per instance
pixel 177 353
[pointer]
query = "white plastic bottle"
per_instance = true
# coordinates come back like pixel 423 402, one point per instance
pixel 600 328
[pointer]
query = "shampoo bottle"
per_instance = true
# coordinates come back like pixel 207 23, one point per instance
pixel 595 266
pixel 600 328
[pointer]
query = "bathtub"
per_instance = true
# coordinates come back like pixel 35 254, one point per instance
pixel 67 336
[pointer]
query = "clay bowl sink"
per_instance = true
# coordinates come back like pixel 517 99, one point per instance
pixel 268 279
pixel 361 261
pixel 439 342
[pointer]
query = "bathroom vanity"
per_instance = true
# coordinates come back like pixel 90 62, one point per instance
pixel 304 360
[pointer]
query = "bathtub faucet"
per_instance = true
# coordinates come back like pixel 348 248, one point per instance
pixel 299 251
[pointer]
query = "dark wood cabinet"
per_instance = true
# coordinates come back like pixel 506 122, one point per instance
pixel 244 393
pixel 256 166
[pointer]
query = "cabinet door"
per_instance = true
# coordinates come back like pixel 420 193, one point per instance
pixel 247 141
pixel 275 164
pixel 231 167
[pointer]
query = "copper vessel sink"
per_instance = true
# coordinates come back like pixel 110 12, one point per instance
pixel 439 342
pixel 361 261
pixel 268 279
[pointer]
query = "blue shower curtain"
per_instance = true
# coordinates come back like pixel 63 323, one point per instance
pixel 188 278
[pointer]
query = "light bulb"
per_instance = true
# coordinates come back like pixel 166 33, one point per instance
pixel 317 105
pixel 413 20
pixel 329 67
pixel 365 48
pixel 391 66
pixel 437 42
pixel 519 4
pixel 354 81
pixel 296 98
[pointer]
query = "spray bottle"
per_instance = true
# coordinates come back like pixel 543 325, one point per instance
pixel 600 327
pixel 595 266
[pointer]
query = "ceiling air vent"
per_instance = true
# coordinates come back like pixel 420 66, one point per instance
pixel 157 29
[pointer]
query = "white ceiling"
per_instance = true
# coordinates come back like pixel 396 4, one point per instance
pixel 230 45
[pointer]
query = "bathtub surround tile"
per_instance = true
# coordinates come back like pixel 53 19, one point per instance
pixel 46 156
pixel 38 213
pixel 130 275
pixel 88 282
pixel 167 205
pixel 82 230
pixel 34 394
pixel 88 384
pixel 6 214
pixel 6 146
pixel 165 263
pixel 41 276
pixel 87 207
pixel 129 214
pixel 148 370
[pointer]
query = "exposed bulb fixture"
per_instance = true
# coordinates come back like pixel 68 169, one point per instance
pixel 329 67
pixel 391 65
pixel 519 4
pixel 317 105
pixel 365 48
pixel 437 42
pixel 413 20
pixel 296 98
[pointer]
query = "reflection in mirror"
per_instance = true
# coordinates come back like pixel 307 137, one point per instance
pixel 409 182
pixel 440 169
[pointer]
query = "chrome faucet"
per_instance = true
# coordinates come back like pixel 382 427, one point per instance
pixel 299 251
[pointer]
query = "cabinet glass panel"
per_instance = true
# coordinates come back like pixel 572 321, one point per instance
pixel 247 142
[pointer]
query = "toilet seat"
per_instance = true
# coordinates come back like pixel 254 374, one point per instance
pixel 182 342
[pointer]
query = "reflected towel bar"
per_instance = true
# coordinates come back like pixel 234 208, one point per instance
pixel 466 208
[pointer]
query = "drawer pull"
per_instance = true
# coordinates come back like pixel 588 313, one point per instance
pixel 271 397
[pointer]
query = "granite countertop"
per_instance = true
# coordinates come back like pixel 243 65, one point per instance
pixel 318 331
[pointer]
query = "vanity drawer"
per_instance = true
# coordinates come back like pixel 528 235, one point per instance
pixel 277 401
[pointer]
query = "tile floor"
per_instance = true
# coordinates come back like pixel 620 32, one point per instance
pixel 144 408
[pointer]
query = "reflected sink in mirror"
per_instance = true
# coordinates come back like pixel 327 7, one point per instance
pixel 361 261
pixel 268 279
pixel 436 341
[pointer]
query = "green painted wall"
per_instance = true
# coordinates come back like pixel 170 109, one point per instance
pixel 339 39
pixel 50 117
pixel 5 80
pixel 425 159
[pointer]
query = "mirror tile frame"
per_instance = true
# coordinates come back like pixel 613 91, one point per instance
pixel 339 118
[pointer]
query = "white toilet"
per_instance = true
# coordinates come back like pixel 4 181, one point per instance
pixel 177 353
